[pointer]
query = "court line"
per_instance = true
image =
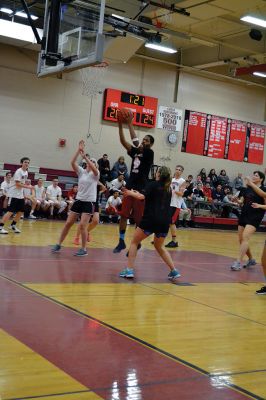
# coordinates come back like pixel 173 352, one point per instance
pixel 41 396
pixel 134 338
pixel 203 304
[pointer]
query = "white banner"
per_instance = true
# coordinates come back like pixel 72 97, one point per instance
pixel 169 119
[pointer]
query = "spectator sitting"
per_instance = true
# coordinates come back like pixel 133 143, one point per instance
pixel 30 199
pixel 189 190
pixel 71 195
pixel 223 179
pixel 117 184
pixel 238 182
pixel 40 195
pixel 198 179
pixel 119 168
pixel 229 206
pixel 207 191
pixel 185 214
pixel 218 194
pixel 113 204
pixel 203 175
pixel 197 193
pixel 5 186
pixel 54 197
pixel 213 178
pixel 104 168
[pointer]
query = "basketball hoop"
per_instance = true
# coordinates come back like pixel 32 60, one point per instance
pixel 92 77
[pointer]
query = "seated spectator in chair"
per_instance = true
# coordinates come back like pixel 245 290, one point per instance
pixel 119 168
pixel 203 175
pixel 104 168
pixel 113 204
pixel 197 193
pixel 207 191
pixel 185 214
pixel 30 199
pixel 217 197
pixel 188 190
pixel 54 197
pixel 5 186
pixel 71 195
pixel 40 195
pixel 238 182
pixel 229 205
pixel 213 178
pixel 223 179
pixel 117 184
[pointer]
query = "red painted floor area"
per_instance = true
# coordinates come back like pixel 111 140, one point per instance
pixel 39 265
pixel 109 363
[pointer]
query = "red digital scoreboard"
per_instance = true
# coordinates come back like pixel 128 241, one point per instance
pixel 143 107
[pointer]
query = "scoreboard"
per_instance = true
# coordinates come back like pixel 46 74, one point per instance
pixel 144 108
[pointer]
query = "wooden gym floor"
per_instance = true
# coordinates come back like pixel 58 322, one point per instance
pixel 70 328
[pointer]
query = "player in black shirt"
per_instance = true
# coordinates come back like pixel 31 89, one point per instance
pixel 156 219
pixel 250 218
pixel 142 160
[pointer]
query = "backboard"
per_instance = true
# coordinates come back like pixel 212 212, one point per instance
pixel 72 36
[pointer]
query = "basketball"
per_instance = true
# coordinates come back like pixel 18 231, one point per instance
pixel 124 114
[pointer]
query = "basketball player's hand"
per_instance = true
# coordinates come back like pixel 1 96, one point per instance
pixel 255 205
pixel 81 146
pixel 126 192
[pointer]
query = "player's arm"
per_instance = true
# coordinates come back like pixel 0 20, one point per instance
pixel 20 185
pixel 122 138
pixel 73 162
pixel 133 193
pixel 256 189
pixel 181 190
pixel 90 164
pixel 256 205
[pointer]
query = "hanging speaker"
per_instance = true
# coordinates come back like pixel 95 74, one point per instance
pixel 255 34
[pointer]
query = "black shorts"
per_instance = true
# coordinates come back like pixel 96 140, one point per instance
pixel 82 207
pixel 16 205
pixel 254 220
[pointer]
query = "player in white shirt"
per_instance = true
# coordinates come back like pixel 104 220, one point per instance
pixel 40 195
pixel 54 198
pixel 178 187
pixel 16 197
pixel 84 204
pixel 5 186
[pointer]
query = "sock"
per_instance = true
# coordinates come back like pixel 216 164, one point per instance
pixel 174 238
pixel 13 223
pixel 122 234
pixel 1 225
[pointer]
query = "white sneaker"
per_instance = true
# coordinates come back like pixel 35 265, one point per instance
pixel 31 216
pixel 3 232
pixel 15 229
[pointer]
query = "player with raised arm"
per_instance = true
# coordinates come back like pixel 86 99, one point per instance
pixel 85 199
pixel 142 160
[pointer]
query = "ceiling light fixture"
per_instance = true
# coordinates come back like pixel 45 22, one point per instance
pixel 254 20
pixel 24 15
pixel 159 47
pixel 6 10
pixel 260 74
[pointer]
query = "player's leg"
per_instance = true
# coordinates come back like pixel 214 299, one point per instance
pixel 263 263
pixel 139 235
pixel 165 255
pixel 175 215
pixel 72 217
pixel 125 214
pixel 83 231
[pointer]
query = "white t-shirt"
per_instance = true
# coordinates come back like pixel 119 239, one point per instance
pixel 27 192
pixel 53 192
pixel 19 176
pixel 113 202
pixel 39 192
pixel 5 186
pixel 176 200
pixel 87 185
pixel 116 184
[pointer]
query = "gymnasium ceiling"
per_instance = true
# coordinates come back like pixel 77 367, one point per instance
pixel 209 35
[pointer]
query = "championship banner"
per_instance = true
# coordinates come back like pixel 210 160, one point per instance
pixel 256 143
pixel 169 119
pixel 194 132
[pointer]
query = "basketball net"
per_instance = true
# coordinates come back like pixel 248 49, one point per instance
pixel 92 77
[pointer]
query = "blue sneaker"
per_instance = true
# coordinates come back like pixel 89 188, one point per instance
pixel 250 263
pixel 81 253
pixel 174 274
pixel 56 248
pixel 127 273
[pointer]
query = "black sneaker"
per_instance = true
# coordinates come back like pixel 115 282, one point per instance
pixel 172 244
pixel 139 247
pixel 262 290
pixel 121 246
